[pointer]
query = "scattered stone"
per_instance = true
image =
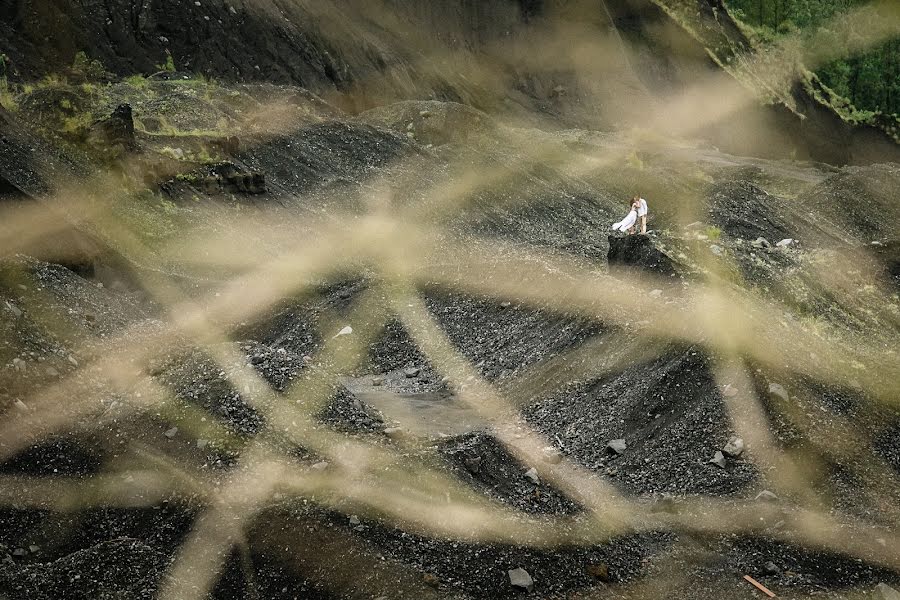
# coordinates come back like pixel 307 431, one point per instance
pixel 51 372
pixel 73 361
pixel 473 464
pixel 617 446
pixel 885 592
pixel 776 389
pixel 354 520
pixel 15 310
pixel 431 579
pixel 345 331
pixel 171 433
pixel 729 391
pixel 412 372
pixel 256 359
pixel 519 578
pixel 785 243
pixel 320 466
pixel 376 381
pixel 717 250
pixel 19 552
pixel 19 364
pixel 761 242
pixel 600 571
pixel 766 496
pixel 734 447
pixel 719 460
pixel 201 443
pixel 21 405
pixel 552 455
pixel 655 293
pixel 394 432
pixel 532 474
pixel 771 568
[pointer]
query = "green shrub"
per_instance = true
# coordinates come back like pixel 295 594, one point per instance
pixel 713 232
pixel 168 65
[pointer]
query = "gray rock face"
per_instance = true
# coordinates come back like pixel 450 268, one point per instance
pixel 719 460
pixel 617 446
pixel 519 578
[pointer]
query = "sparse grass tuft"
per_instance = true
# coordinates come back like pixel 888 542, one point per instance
pixel 138 82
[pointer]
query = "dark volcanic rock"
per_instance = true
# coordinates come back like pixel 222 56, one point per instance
pixel 638 251
pixel 115 132
pixel 671 416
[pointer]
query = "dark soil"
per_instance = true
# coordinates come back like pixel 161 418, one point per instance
pixel 667 406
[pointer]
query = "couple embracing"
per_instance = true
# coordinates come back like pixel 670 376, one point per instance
pixel 638 212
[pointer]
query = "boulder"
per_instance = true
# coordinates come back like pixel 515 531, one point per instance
pixel 519 578
pixel 532 474
pixel 638 252
pixel 777 390
pixel 115 133
pixel 766 496
pixel 885 592
pixel 616 446
pixel 719 460
pixel 734 447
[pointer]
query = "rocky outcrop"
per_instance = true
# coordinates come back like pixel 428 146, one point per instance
pixel 637 252
pixel 115 133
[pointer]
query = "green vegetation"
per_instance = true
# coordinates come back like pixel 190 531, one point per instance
pixel 713 233
pixel 168 65
pixel 138 82
pixel 870 81
pixel 77 125
pixel 7 99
